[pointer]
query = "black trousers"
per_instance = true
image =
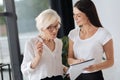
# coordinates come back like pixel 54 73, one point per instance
pixel 91 76
pixel 53 78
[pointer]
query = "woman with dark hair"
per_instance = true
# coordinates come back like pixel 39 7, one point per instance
pixel 89 40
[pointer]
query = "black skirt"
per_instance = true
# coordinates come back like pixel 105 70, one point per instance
pixel 91 76
pixel 53 78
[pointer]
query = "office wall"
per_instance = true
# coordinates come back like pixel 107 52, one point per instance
pixel 109 13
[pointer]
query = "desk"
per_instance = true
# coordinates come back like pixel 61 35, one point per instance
pixel 2 65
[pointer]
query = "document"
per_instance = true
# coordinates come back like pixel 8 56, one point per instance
pixel 76 69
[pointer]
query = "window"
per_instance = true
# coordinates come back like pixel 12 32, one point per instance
pixel 27 11
pixel 4 50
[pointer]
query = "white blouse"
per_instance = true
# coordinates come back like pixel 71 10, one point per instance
pixel 91 47
pixel 50 63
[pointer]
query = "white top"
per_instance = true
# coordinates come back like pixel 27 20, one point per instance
pixel 91 47
pixel 50 63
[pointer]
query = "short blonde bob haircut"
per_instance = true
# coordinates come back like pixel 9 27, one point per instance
pixel 46 18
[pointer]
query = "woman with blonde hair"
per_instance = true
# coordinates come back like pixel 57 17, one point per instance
pixel 42 56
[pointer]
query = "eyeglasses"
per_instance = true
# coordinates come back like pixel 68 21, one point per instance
pixel 51 28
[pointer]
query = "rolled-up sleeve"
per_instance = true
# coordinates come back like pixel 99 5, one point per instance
pixel 27 59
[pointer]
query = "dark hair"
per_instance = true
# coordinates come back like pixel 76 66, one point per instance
pixel 88 7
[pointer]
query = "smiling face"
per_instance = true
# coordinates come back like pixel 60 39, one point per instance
pixel 80 17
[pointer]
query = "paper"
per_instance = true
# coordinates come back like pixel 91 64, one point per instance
pixel 76 69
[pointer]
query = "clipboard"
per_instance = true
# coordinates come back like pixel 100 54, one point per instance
pixel 83 62
pixel 76 69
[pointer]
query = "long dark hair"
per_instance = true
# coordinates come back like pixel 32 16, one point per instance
pixel 88 7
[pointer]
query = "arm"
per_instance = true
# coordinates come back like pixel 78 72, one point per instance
pixel 108 49
pixel 38 54
pixel 30 60
pixel 65 68
pixel 71 58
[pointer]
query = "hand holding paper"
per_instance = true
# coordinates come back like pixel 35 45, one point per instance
pixel 76 69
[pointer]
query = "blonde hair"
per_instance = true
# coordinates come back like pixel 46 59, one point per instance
pixel 46 18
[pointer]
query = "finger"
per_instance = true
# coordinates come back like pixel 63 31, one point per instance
pixel 81 60
pixel 40 52
pixel 36 42
pixel 39 46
